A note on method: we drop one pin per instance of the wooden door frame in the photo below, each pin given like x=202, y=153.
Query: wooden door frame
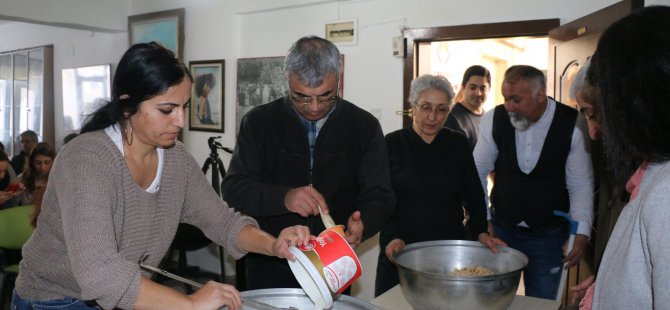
x=413, y=37
x=595, y=22
x=592, y=24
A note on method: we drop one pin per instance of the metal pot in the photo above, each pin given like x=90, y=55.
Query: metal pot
x=425, y=282
x=295, y=297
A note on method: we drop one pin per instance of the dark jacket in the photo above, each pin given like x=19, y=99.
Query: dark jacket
x=272, y=156
x=532, y=197
x=432, y=181
x=463, y=120
x=19, y=161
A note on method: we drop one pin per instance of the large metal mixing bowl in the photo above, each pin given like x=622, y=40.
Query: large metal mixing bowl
x=296, y=298
x=425, y=282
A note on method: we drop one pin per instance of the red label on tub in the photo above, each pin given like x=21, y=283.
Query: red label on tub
x=341, y=267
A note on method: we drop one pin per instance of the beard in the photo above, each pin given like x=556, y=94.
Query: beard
x=519, y=122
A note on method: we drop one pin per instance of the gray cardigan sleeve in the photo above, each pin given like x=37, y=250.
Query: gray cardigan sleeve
x=206, y=210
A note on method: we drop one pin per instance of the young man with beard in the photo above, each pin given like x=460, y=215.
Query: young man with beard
x=466, y=114
x=541, y=165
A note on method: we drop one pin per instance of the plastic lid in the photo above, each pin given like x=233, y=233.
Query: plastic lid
x=310, y=280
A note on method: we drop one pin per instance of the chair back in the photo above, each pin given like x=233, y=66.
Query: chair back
x=15, y=228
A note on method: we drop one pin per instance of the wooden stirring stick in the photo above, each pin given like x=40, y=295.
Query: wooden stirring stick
x=326, y=218
x=328, y=221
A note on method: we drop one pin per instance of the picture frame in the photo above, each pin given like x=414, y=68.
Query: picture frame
x=261, y=80
x=207, y=112
x=164, y=27
x=342, y=32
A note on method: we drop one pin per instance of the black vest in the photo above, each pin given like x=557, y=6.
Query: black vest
x=532, y=197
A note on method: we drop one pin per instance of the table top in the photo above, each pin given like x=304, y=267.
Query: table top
x=394, y=300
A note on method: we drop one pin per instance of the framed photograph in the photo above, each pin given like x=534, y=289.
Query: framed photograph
x=207, y=104
x=259, y=81
x=165, y=27
x=85, y=89
x=262, y=80
x=343, y=32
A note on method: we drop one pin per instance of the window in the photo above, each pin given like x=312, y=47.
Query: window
x=26, y=96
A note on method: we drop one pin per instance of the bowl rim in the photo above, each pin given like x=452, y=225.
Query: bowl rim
x=466, y=243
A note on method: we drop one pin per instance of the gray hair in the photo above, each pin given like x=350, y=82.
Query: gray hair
x=428, y=81
x=527, y=73
x=579, y=82
x=310, y=59
x=29, y=134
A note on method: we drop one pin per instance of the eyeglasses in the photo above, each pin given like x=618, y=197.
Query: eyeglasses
x=440, y=109
x=305, y=100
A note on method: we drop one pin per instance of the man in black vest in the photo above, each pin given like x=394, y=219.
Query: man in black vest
x=541, y=164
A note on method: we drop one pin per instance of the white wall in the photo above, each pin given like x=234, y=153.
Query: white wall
x=102, y=14
x=226, y=29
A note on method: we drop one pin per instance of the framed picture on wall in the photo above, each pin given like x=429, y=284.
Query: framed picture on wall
x=259, y=81
x=164, y=27
x=262, y=80
x=207, y=103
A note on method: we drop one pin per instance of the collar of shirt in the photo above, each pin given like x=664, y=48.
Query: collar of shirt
x=529, y=142
x=306, y=123
x=114, y=133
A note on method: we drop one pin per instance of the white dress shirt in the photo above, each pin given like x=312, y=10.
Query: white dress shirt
x=578, y=167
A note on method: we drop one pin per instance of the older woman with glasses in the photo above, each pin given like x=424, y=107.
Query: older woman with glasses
x=433, y=177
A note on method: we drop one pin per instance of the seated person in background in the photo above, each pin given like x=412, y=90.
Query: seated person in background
x=10, y=175
x=12, y=189
x=36, y=175
x=117, y=195
x=70, y=137
x=432, y=174
x=28, y=142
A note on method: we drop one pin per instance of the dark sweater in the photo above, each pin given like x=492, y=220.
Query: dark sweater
x=464, y=121
x=272, y=155
x=431, y=183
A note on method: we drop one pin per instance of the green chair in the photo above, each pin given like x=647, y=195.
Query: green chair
x=15, y=229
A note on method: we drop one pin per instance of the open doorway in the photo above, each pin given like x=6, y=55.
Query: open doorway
x=418, y=40
x=451, y=58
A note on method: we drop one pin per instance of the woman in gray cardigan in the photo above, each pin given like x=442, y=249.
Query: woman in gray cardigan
x=117, y=193
x=634, y=111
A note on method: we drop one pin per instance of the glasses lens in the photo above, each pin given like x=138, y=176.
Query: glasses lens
x=440, y=109
x=323, y=100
